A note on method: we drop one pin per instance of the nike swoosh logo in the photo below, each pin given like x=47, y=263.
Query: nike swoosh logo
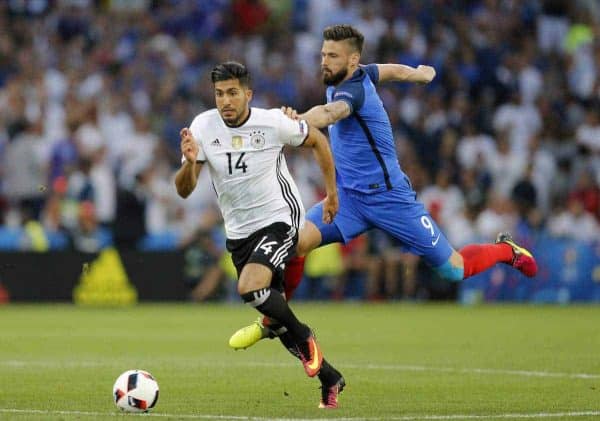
x=315, y=361
x=434, y=242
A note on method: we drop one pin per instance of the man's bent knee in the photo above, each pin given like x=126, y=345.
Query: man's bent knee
x=452, y=270
x=449, y=272
x=309, y=238
x=254, y=276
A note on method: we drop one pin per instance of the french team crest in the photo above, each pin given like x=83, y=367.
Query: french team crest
x=236, y=142
x=257, y=139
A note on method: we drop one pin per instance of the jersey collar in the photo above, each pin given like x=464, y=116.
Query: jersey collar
x=358, y=74
x=233, y=126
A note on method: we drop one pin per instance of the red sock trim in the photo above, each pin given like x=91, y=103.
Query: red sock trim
x=479, y=257
x=294, y=270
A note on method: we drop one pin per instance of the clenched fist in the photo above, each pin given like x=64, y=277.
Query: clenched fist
x=290, y=112
x=189, y=147
x=427, y=73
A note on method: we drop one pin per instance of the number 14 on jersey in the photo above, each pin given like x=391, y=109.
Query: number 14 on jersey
x=240, y=165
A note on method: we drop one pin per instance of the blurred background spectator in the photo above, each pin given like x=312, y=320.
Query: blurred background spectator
x=93, y=95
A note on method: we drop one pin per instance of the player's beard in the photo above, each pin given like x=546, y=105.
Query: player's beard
x=332, y=79
x=236, y=120
x=232, y=121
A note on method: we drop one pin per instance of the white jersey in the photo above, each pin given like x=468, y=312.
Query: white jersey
x=248, y=170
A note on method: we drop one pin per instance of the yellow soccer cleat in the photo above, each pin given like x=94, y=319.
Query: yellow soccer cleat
x=249, y=335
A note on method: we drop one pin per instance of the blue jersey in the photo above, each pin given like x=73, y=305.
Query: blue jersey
x=374, y=192
x=363, y=143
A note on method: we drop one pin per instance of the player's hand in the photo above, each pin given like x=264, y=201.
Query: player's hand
x=290, y=112
x=427, y=73
x=189, y=147
x=330, y=208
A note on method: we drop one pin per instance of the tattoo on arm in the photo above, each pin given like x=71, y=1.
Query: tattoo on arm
x=337, y=111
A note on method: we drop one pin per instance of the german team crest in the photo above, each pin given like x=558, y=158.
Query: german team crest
x=257, y=139
x=236, y=142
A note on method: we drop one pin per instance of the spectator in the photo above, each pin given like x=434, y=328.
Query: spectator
x=524, y=194
x=443, y=199
x=202, y=270
x=520, y=119
x=574, y=222
x=507, y=166
x=475, y=148
x=553, y=24
x=587, y=193
x=24, y=166
x=89, y=236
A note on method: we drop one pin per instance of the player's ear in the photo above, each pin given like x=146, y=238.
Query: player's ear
x=355, y=59
x=249, y=94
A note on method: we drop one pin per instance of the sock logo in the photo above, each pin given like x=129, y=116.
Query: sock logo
x=260, y=297
x=294, y=351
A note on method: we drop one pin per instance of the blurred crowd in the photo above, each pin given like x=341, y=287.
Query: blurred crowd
x=93, y=95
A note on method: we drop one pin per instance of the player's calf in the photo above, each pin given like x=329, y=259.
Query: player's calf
x=272, y=304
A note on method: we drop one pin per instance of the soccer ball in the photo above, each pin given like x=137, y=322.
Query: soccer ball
x=135, y=391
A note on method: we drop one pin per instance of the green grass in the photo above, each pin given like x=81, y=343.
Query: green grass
x=400, y=361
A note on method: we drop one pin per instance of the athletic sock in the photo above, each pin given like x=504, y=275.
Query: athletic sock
x=294, y=270
x=271, y=303
x=328, y=375
x=479, y=257
x=287, y=340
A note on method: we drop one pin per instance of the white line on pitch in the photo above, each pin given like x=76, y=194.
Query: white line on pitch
x=573, y=414
x=222, y=364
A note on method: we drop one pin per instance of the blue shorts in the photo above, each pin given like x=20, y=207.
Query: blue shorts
x=397, y=212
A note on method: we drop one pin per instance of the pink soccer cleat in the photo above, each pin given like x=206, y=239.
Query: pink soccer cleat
x=329, y=395
x=523, y=260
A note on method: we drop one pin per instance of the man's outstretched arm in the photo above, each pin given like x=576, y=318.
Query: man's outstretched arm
x=323, y=115
x=403, y=73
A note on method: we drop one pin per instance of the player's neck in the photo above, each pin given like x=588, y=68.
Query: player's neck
x=351, y=70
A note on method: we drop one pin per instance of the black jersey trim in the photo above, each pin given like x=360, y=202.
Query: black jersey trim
x=288, y=196
x=371, y=139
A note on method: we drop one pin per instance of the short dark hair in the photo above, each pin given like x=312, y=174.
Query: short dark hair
x=345, y=32
x=230, y=70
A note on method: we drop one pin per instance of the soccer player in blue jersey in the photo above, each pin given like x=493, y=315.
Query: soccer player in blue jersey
x=373, y=191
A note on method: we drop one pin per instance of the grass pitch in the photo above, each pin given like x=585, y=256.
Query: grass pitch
x=403, y=362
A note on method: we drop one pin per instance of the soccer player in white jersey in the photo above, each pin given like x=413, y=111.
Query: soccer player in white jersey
x=243, y=150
